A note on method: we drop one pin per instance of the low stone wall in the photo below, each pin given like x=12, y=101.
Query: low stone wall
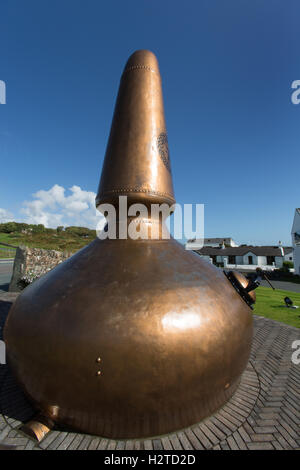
x=32, y=263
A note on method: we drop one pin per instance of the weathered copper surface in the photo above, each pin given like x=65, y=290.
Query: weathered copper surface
x=131, y=338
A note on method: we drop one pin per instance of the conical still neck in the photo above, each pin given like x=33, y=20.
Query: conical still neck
x=137, y=163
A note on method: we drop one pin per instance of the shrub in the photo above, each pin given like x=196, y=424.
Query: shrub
x=10, y=227
x=286, y=265
x=80, y=231
x=37, y=228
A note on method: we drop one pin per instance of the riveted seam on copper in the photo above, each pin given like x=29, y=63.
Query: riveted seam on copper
x=136, y=190
x=139, y=67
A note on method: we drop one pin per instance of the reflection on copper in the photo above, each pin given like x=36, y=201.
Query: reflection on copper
x=181, y=321
x=38, y=428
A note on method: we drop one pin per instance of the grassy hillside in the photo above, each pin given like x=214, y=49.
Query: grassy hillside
x=37, y=236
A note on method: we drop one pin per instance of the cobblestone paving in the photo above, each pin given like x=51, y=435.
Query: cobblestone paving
x=264, y=413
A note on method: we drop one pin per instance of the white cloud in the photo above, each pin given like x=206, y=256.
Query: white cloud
x=5, y=216
x=54, y=207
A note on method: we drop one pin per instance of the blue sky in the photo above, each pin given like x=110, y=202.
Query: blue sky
x=227, y=69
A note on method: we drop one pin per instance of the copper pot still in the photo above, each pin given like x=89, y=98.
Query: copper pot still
x=131, y=338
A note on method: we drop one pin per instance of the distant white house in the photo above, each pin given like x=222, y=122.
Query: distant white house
x=296, y=240
x=197, y=244
x=247, y=256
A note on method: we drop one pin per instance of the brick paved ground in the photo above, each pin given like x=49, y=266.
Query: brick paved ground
x=264, y=413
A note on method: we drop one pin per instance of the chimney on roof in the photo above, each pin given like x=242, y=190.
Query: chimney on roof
x=281, y=248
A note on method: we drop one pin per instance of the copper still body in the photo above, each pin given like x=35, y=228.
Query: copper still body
x=131, y=338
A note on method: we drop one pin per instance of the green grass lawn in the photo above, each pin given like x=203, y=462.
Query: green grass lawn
x=5, y=252
x=269, y=304
x=5, y=237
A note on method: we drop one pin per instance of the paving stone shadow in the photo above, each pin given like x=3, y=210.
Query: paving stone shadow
x=13, y=402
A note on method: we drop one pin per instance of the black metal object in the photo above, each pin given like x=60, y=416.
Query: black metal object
x=256, y=278
x=288, y=302
x=235, y=279
x=245, y=285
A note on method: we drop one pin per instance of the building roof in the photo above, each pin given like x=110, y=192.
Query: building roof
x=243, y=250
x=217, y=240
x=211, y=240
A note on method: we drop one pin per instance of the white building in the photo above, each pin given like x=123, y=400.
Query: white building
x=296, y=240
x=248, y=257
x=197, y=244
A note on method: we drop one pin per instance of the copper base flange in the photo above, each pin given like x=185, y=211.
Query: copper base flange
x=37, y=428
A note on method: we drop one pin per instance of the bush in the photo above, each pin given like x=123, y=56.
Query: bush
x=282, y=275
x=37, y=228
x=80, y=231
x=16, y=227
x=287, y=265
x=10, y=227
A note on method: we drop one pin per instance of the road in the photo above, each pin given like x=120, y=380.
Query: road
x=291, y=286
x=6, y=268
